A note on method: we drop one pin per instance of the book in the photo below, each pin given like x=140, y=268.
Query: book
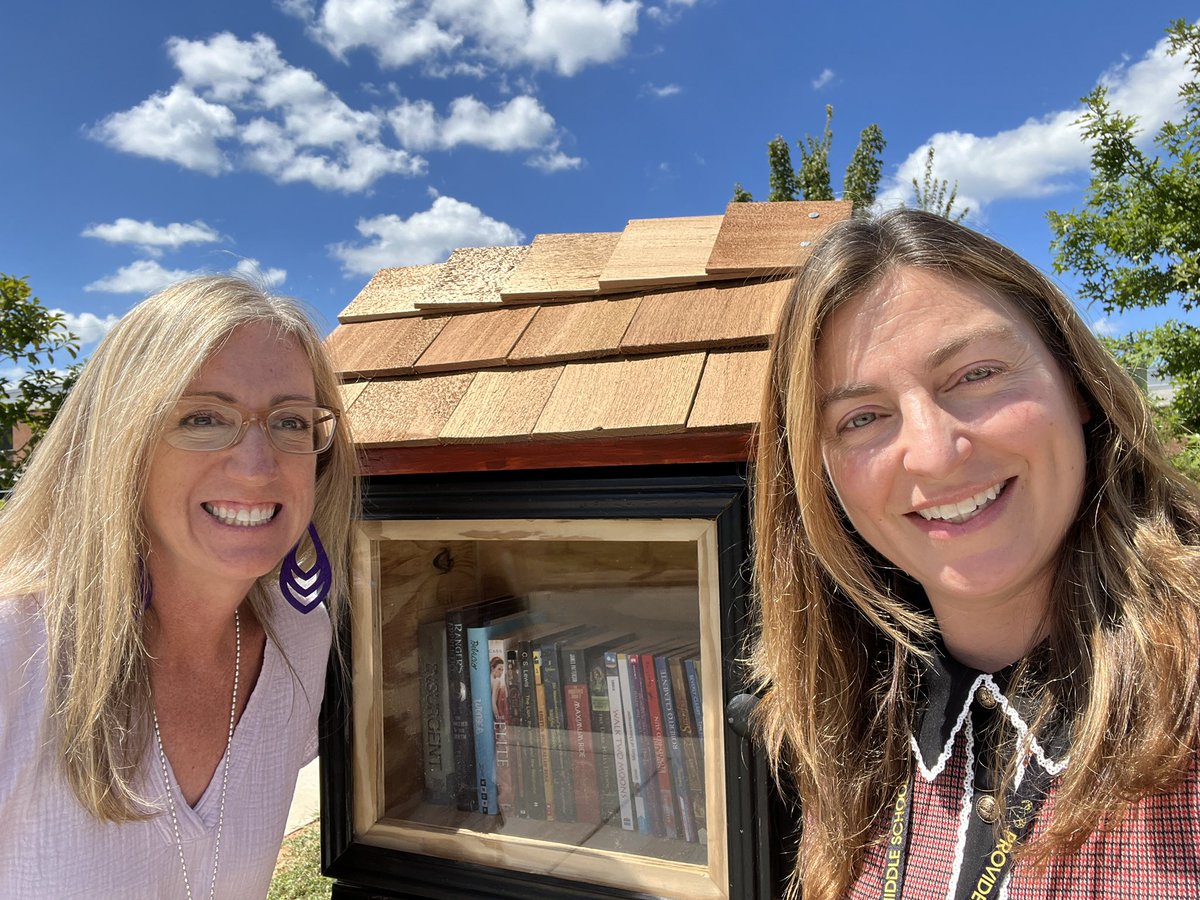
x=691, y=669
x=642, y=754
x=666, y=808
x=462, y=730
x=680, y=795
x=543, y=736
x=580, y=689
x=437, y=755
x=693, y=748
x=489, y=699
x=616, y=707
x=562, y=790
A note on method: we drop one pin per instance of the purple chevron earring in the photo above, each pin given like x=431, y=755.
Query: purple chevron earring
x=305, y=589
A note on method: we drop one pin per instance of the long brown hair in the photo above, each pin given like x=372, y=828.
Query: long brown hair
x=72, y=530
x=838, y=639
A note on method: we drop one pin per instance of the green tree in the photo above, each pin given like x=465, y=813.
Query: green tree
x=30, y=335
x=813, y=174
x=861, y=183
x=937, y=195
x=812, y=180
x=780, y=176
x=740, y=194
x=1136, y=241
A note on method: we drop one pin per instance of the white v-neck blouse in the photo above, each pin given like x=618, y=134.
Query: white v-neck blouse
x=51, y=847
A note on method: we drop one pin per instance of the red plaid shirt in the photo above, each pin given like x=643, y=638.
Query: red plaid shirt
x=1154, y=852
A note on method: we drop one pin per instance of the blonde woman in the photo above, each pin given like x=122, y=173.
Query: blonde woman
x=978, y=585
x=159, y=676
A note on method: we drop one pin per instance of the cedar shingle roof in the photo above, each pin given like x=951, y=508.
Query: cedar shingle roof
x=542, y=355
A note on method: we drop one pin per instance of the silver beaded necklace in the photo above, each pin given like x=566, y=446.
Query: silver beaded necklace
x=162, y=758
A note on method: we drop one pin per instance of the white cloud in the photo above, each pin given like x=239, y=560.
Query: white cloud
x=823, y=79
x=142, y=276
x=176, y=126
x=424, y=237
x=564, y=35
x=266, y=278
x=519, y=124
x=670, y=11
x=1104, y=327
x=666, y=90
x=239, y=104
x=1046, y=155
x=153, y=238
x=554, y=161
x=88, y=327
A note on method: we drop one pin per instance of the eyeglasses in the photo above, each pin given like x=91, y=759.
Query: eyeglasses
x=199, y=424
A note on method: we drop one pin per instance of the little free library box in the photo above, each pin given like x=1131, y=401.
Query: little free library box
x=551, y=576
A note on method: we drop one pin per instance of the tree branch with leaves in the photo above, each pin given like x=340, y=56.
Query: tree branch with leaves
x=30, y=336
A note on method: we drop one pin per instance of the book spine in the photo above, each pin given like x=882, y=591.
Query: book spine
x=693, y=750
x=691, y=668
x=647, y=774
x=531, y=795
x=436, y=728
x=583, y=755
x=503, y=662
x=483, y=719
x=606, y=768
x=681, y=795
x=662, y=769
x=462, y=730
x=616, y=707
x=560, y=754
x=543, y=735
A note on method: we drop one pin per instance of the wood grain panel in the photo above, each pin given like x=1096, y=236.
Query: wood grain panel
x=391, y=293
x=350, y=392
x=383, y=347
x=559, y=266
x=574, y=330
x=770, y=238
x=643, y=395
x=500, y=404
x=406, y=411
x=476, y=339
x=730, y=391
x=661, y=251
x=706, y=317
x=579, y=451
x=471, y=277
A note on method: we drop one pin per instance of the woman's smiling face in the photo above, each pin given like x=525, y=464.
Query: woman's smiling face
x=230, y=515
x=953, y=439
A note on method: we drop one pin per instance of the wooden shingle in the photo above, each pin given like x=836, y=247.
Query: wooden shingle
x=473, y=340
x=644, y=395
x=391, y=293
x=560, y=266
x=383, y=347
x=575, y=330
x=706, y=317
x=502, y=404
x=769, y=238
x=471, y=277
x=406, y=411
x=730, y=392
x=661, y=252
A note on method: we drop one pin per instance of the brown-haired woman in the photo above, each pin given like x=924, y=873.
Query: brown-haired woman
x=978, y=584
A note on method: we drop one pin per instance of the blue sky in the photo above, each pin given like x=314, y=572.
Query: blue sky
x=314, y=141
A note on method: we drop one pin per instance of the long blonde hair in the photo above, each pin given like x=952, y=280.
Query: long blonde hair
x=839, y=632
x=72, y=530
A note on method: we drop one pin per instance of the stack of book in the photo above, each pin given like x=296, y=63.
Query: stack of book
x=526, y=718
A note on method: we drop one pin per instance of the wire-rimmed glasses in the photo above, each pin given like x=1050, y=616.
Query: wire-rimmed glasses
x=197, y=423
